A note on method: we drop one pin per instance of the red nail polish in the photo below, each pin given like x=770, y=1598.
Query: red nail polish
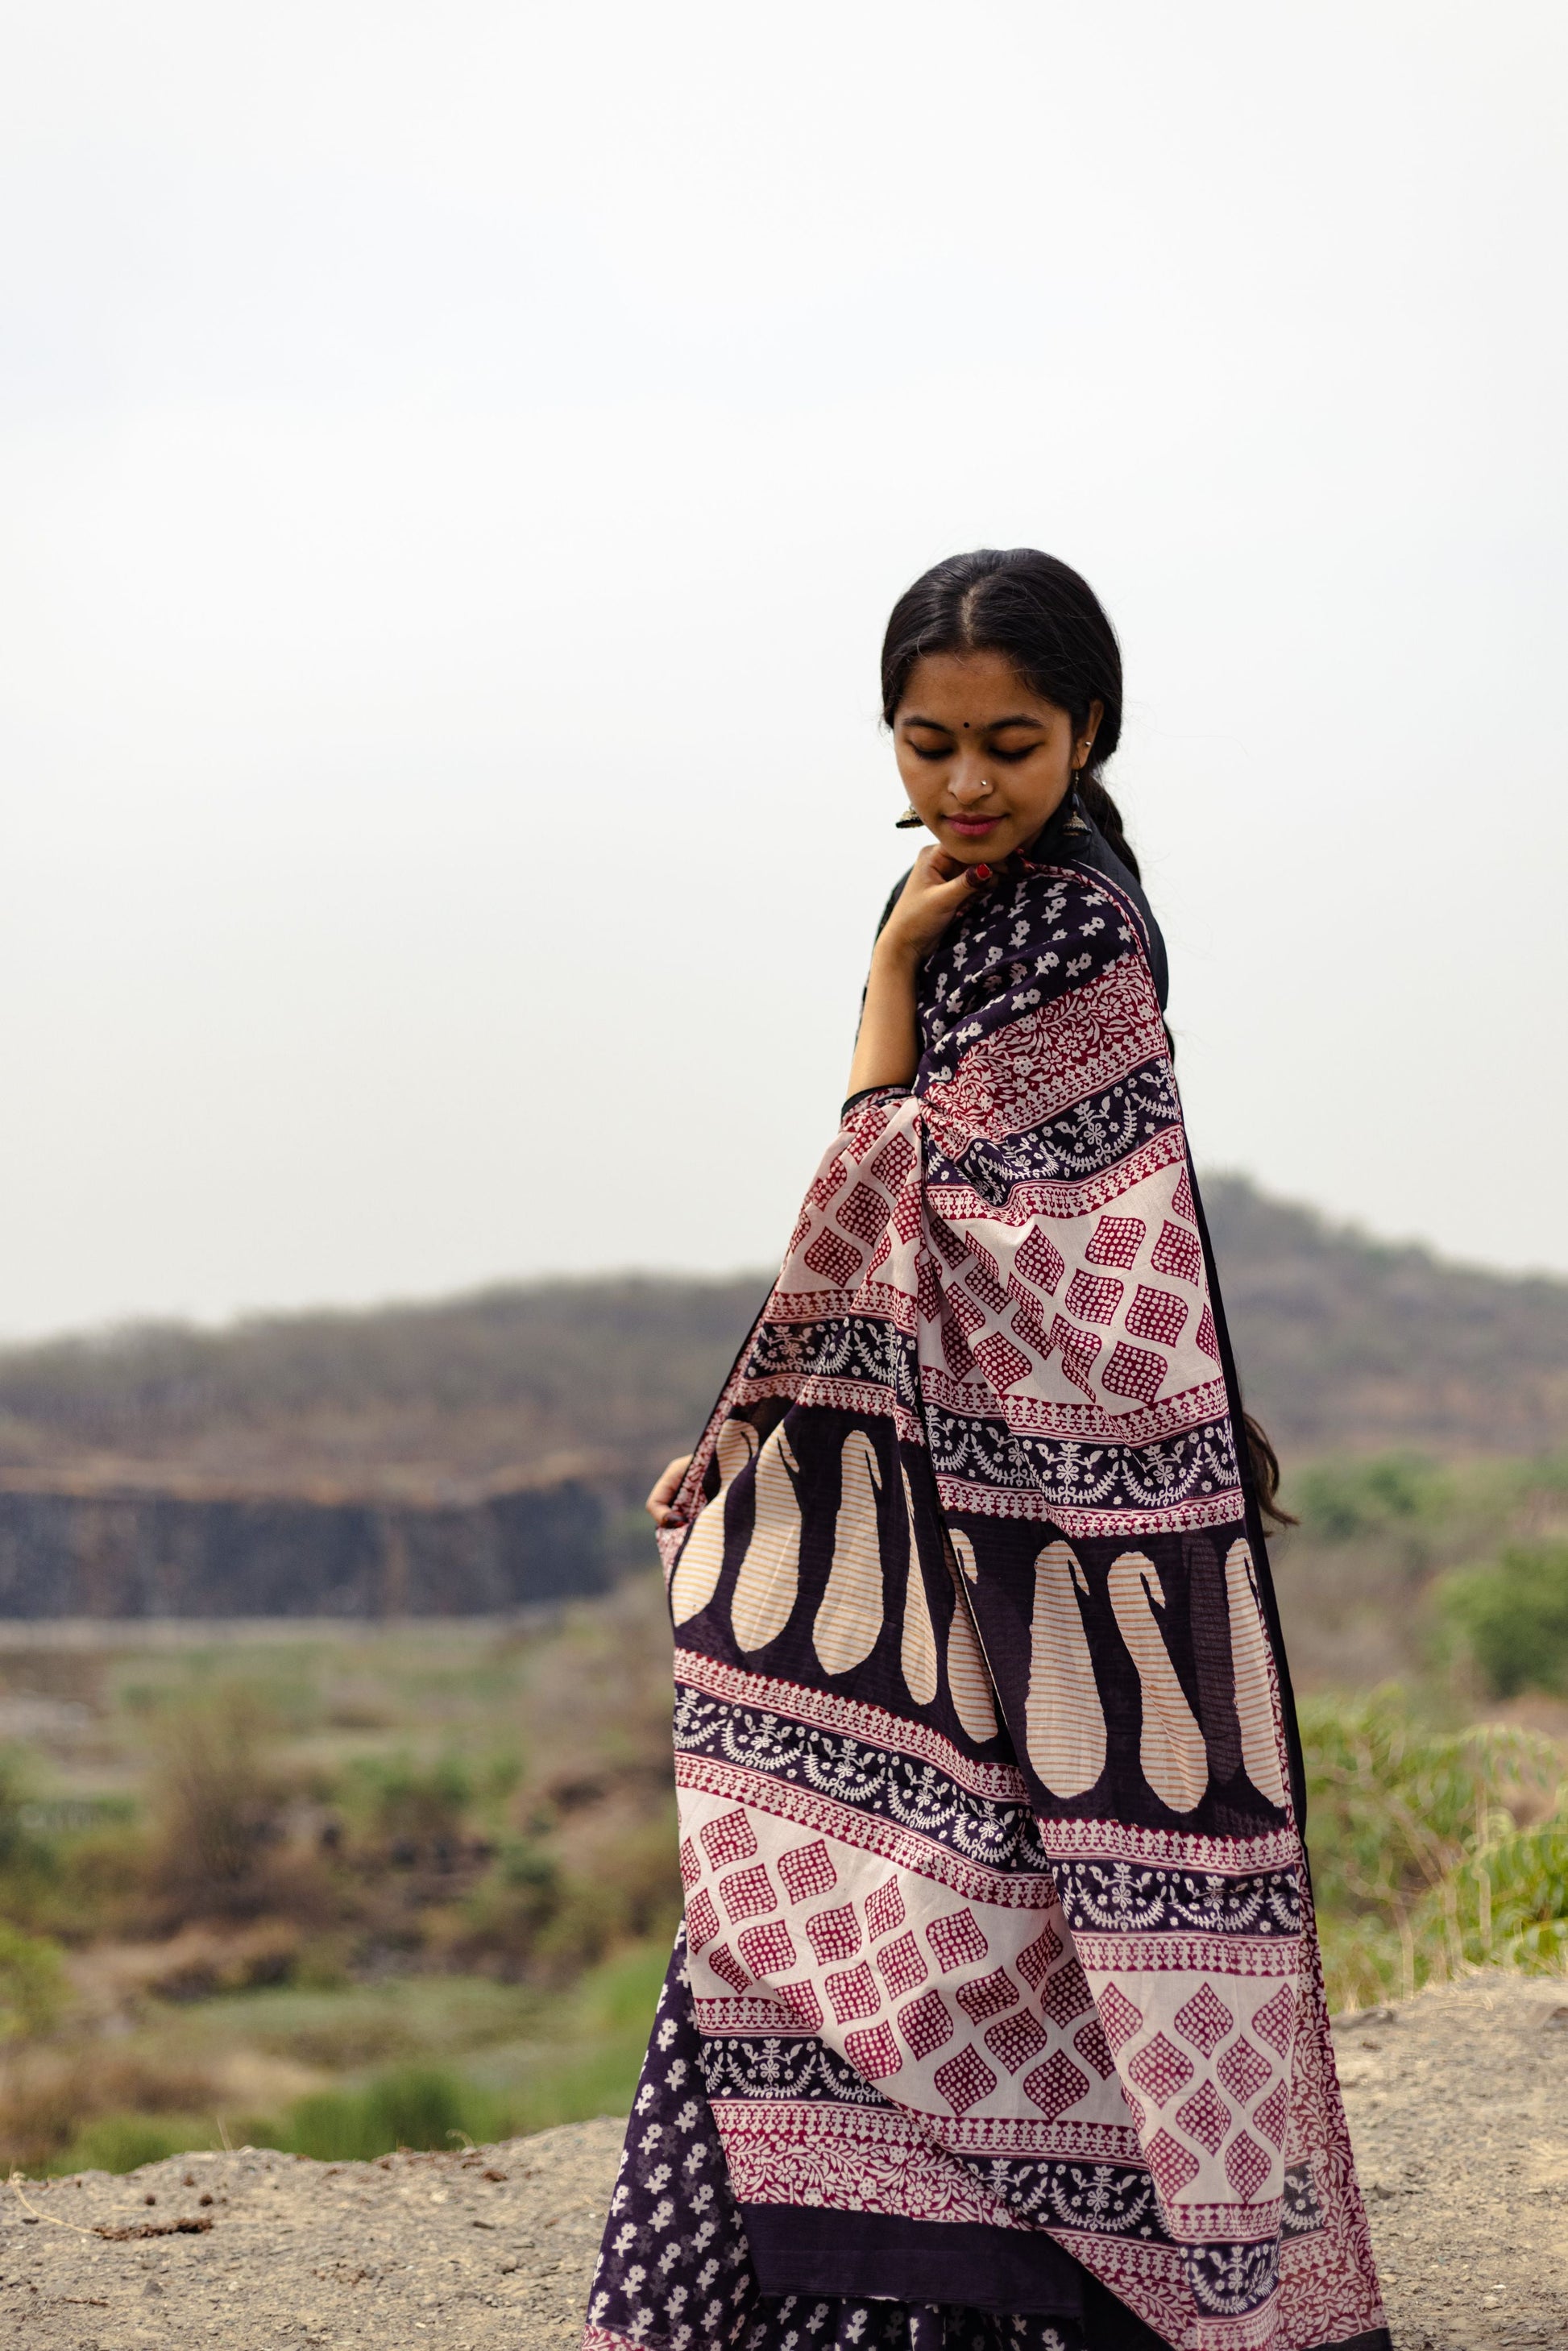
x=981, y=872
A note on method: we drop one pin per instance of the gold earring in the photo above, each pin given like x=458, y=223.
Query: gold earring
x=910, y=818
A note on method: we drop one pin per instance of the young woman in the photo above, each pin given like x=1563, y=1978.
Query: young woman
x=996, y=2017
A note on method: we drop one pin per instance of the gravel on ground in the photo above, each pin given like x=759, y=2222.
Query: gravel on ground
x=1459, y=2102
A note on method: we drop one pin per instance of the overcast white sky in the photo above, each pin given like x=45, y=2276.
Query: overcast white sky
x=455, y=462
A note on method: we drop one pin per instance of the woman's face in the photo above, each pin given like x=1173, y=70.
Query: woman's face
x=984, y=759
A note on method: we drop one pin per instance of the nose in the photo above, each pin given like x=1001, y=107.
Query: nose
x=970, y=782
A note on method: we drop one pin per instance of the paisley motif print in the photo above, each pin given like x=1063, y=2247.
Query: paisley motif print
x=996, y=1910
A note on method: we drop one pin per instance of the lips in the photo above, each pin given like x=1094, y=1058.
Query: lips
x=973, y=827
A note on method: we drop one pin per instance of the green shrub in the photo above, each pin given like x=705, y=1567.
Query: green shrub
x=1513, y=1617
x=32, y=1984
x=1339, y=1501
x=1428, y=1848
x=416, y=2105
x=125, y=2142
x=416, y=1812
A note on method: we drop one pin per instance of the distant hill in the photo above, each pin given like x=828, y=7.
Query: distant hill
x=1349, y=1343
x=1344, y=1343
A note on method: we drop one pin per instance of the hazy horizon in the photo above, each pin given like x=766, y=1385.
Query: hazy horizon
x=760, y=1272
x=457, y=465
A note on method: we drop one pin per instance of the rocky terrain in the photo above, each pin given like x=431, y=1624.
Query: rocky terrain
x=1459, y=2100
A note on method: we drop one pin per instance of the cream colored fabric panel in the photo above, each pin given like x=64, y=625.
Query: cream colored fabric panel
x=1254, y=1690
x=700, y=1564
x=770, y=1575
x=969, y=1676
x=850, y=1615
x=1174, y=1757
x=917, y=1652
x=1064, y=1724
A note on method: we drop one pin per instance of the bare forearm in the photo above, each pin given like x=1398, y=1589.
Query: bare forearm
x=887, y=1050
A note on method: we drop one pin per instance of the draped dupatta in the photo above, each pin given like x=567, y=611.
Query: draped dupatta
x=999, y=1968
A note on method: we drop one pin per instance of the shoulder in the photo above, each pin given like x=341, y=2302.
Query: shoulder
x=1099, y=861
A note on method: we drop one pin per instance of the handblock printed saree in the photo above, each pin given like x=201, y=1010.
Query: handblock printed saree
x=999, y=1990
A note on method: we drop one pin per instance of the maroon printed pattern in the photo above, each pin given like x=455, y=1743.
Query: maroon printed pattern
x=993, y=1880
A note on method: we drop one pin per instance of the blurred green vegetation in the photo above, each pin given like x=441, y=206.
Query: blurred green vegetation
x=289, y=1886
x=336, y=1891
x=1513, y=1617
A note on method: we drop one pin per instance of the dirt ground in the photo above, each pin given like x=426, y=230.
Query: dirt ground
x=1458, y=2101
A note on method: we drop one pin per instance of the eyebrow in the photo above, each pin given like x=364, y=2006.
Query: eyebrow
x=991, y=727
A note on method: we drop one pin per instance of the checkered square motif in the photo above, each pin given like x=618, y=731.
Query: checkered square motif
x=1095, y=1296
x=950, y=1247
x=901, y=1967
x=1176, y=1253
x=874, y=2052
x=1036, y=1960
x=1000, y=1362
x=767, y=1950
x=834, y=1260
x=1119, y=2017
x=1207, y=1337
x=1066, y=1994
x=988, y=1996
x=1160, y=2070
x=990, y=1274
x=1055, y=2085
x=970, y=1317
x=727, y=1839
x=955, y=1346
x=807, y=1869
x=747, y=1893
x=855, y=1993
x=728, y=1968
x=691, y=1863
x=830, y=1179
x=1204, y=2019
x=1206, y=2116
x=966, y=2080
x=1275, y=2020
x=1181, y=1200
x=1156, y=1314
x=1243, y=2070
x=834, y=1933
x=884, y=1909
x=801, y=2000
x=1039, y=1262
x=1079, y=1349
x=883, y=1251
x=1094, y=2049
x=892, y=1164
x=1273, y=2113
x=927, y=1287
x=1017, y=2039
x=864, y=1213
x=907, y=1213
x=988, y=1291
x=1245, y=2166
x=702, y=1920
x=1116, y=1240
x=926, y=2023
x=1172, y=2164
x=1133, y=1372
x=957, y=1940
x=1030, y=1329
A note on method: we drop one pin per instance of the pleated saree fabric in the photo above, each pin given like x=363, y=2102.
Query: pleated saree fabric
x=996, y=2017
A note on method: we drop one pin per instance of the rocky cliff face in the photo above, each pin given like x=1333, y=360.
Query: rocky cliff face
x=130, y=1552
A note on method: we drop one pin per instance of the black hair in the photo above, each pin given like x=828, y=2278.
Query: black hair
x=1049, y=623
